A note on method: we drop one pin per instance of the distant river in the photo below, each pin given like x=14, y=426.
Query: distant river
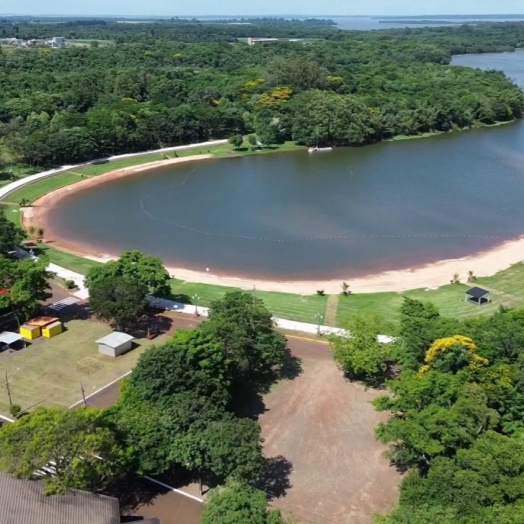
x=296, y=216
x=362, y=23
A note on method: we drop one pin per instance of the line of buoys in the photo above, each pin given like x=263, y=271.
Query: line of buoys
x=298, y=239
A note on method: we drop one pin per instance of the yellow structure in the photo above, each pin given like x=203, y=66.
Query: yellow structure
x=30, y=332
x=52, y=330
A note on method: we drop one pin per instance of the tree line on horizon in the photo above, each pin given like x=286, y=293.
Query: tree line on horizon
x=172, y=83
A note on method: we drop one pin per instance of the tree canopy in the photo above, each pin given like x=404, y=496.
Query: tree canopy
x=358, y=352
x=457, y=415
x=175, y=413
x=136, y=266
x=237, y=502
x=243, y=326
x=10, y=235
x=26, y=285
x=173, y=82
x=65, y=446
x=118, y=300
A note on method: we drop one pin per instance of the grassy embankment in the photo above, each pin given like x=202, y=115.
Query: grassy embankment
x=507, y=286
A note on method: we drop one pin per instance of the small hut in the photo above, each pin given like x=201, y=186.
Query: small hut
x=7, y=338
x=115, y=344
x=477, y=296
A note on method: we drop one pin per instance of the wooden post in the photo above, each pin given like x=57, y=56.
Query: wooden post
x=83, y=394
x=8, y=389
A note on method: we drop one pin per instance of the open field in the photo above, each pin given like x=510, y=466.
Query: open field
x=322, y=428
x=87, y=43
x=46, y=372
x=284, y=305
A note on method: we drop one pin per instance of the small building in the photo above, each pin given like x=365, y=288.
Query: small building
x=115, y=344
x=7, y=338
x=254, y=41
x=57, y=41
x=30, y=332
x=53, y=329
x=478, y=296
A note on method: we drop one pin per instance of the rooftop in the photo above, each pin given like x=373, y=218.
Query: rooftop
x=115, y=339
x=8, y=337
x=477, y=292
x=24, y=502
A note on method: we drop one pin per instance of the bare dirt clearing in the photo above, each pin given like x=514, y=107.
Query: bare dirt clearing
x=325, y=426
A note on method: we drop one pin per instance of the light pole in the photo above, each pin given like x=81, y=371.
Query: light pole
x=196, y=298
x=319, y=317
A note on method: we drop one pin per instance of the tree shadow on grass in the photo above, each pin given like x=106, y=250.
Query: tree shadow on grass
x=276, y=477
x=78, y=311
x=180, y=297
x=151, y=325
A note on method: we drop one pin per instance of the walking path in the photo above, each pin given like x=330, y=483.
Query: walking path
x=189, y=309
x=13, y=186
x=331, y=310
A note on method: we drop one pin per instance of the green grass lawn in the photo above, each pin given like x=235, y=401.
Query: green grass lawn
x=284, y=305
x=46, y=372
x=69, y=261
x=12, y=213
x=386, y=305
x=509, y=281
x=19, y=171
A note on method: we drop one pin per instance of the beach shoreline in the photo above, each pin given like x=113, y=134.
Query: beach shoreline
x=429, y=276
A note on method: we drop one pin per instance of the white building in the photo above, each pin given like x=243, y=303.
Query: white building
x=57, y=41
x=115, y=344
x=254, y=41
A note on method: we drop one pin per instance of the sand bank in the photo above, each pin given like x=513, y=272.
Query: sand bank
x=429, y=276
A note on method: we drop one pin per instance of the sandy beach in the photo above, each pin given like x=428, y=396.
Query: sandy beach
x=429, y=276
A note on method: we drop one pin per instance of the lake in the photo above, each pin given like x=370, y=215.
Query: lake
x=297, y=216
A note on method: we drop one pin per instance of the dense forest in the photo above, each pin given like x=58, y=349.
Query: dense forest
x=125, y=87
x=458, y=418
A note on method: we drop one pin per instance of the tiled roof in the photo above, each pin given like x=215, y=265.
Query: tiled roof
x=24, y=502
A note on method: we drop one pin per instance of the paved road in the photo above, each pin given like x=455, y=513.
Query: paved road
x=169, y=506
x=300, y=347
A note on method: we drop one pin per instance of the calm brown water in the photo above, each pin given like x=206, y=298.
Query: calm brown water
x=290, y=216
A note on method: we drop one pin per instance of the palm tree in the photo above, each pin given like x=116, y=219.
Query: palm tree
x=31, y=230
x=471, y=276
x=40, y=233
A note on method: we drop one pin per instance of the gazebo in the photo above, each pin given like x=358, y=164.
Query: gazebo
x=477, y=296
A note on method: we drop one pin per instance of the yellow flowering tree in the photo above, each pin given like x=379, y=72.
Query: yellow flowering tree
x=449, y=354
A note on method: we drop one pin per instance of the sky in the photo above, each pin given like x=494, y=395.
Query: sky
x=184, y=8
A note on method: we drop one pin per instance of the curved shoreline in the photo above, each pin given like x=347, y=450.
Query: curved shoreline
x=431, y=276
